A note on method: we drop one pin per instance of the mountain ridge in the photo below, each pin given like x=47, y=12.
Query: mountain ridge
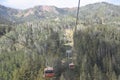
x=102, y=9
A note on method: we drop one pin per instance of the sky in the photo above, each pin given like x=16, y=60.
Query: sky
x=24, y=4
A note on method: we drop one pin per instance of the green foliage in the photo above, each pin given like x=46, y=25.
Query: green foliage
x=100, y=44
x=27, y=49
x=31, y=46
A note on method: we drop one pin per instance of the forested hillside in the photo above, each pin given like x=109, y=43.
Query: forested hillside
x=98, y=47
x=45, y=37
x=28, y=47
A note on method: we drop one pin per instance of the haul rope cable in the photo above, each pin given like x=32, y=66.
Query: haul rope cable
x=77, y=17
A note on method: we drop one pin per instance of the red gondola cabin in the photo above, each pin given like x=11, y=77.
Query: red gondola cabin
x=49, y=72
x=71, y=66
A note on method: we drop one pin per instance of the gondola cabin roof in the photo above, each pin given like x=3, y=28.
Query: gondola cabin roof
x=48, y=68
x=71, y=64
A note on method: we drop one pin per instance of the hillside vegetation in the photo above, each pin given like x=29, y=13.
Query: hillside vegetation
x=32, y=39
x=98, y=50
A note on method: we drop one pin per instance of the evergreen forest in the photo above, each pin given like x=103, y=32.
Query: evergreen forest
x=30, y=43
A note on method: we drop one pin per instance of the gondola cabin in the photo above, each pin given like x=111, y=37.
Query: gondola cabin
x=71, y=65
x=49, y=72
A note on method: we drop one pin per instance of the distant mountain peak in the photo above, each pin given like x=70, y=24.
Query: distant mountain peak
x=48, y=8
x=105, y=3
x=45, y=11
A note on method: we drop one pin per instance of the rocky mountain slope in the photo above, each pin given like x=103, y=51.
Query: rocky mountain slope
x=90, y=13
